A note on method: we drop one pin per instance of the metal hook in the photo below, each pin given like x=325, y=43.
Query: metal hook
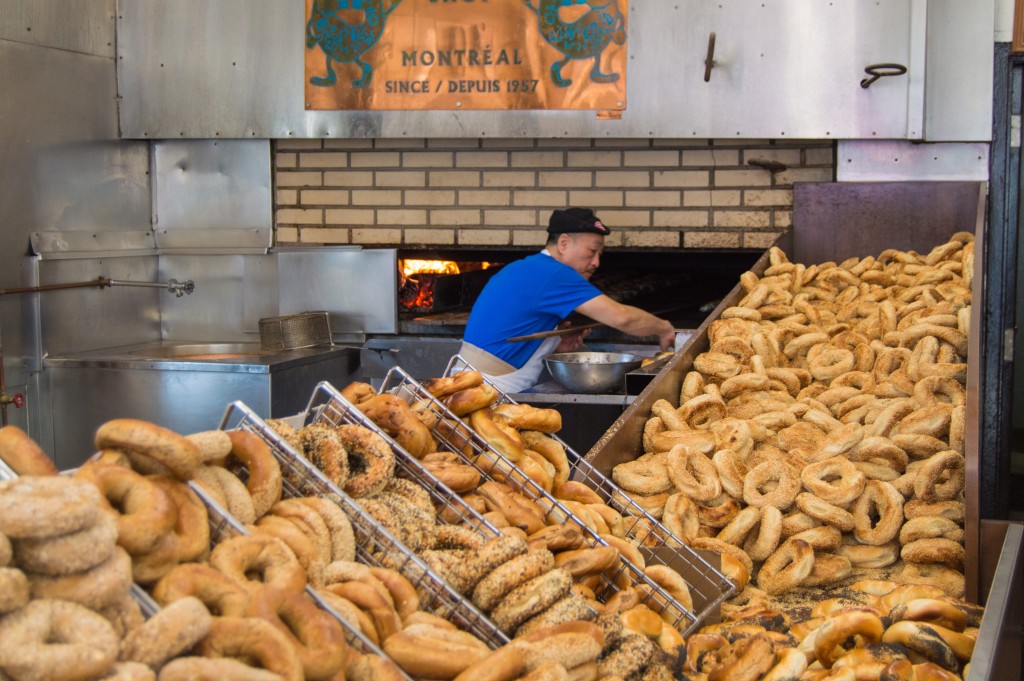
x=709, y=62
x=877, y=71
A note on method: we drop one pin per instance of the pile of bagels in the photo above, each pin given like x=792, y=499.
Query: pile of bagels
x=556, y=623
x=515, y=492
x=237, y=609
x=312, y=537
x=820, y=441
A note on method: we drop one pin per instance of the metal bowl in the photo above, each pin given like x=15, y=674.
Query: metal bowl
x=591, y=372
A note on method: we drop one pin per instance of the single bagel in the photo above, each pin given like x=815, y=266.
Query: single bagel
x=693, y=473
x=531, y=598
x=428, y=651
x=264, y=472
x=52, y=639
x=448, y=385
x=552, y=451
x=371, y=461
x=940, y=477
x=834, y=480
x=95, y=588
x=221, y=595
x=396, y=418
x=256, y=560
x=253, y=640
x=646, y=475
x=168, y=633
x=839, y=628
x=787, y=484
x=944, y=551
x=145, y=511
x=47, y=506
x=19, y=451
x=468, y=400
x=147, y=442
x=316, y=637
x=787, y=567
x=924, y=640
x=525, y=417
x=950, y=581
x=191, y=529
x=69, y=553
x=490, y=590
x=881, y=500
x=213, y=669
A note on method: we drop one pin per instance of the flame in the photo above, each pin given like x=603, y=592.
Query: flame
x=410, y=267
x=417, y=293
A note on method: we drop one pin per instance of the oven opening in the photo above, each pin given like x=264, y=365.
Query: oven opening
x=426, y=286
x=437, y=287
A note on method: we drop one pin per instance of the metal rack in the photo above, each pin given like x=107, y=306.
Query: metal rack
x=328, y=404
x=457, y=437
x=224, y=526
x=6, y=472
x=374, y=543
x=657, y=544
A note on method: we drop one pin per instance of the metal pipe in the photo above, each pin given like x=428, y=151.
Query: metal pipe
x=178, y=288
x=99, y=281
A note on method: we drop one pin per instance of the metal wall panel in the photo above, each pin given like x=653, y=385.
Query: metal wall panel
x=77, y=25
x=896, y=160
x=958, y=98
x=784, y=68
x=62, y=168
x=75, y=320
x=232, y=293
x=212, y=194
x=358, y=287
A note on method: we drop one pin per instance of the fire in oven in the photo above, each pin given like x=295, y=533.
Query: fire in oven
x=428, y=286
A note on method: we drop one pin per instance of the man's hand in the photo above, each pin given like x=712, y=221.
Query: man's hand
x=667, y=337
x=571, y=342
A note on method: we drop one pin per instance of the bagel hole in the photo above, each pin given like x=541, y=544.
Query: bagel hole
x=873, y=515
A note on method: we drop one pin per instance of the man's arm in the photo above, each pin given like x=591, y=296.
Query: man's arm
x=629, y=319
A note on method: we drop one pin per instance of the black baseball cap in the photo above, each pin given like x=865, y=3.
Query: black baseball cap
x=576, y=220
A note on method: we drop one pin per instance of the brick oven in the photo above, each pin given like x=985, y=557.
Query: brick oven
x=438, y=286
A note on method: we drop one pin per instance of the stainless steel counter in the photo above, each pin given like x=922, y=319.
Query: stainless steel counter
x=198, y=356
x=183, y=386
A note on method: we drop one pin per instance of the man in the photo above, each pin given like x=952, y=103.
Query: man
x=537, y=293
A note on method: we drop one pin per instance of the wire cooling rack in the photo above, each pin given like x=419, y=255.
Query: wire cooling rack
x=225, y=526
x=453, y=434
x=6, y=472
x=328, y=404
x=375, y=545
x=708, y=586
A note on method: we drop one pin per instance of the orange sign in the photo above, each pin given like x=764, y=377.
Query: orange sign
x=465, y=54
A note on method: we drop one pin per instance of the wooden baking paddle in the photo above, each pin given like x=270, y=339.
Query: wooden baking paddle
x=554, y=332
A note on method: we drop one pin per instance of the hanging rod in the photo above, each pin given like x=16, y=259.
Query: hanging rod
x=178, y=288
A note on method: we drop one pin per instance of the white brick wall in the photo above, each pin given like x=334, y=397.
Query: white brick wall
x=656, y=194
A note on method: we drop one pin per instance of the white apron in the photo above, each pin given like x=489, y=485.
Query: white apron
x=526, y=376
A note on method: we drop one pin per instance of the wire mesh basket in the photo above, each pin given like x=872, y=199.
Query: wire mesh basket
x=375, y=545
x=300, y=330
x=225, y=526
x=708, y=586
x=453, y=434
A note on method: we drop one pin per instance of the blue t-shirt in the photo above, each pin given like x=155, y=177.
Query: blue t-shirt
x=527, y=296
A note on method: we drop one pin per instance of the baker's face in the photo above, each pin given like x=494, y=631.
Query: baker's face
x=582, y=252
